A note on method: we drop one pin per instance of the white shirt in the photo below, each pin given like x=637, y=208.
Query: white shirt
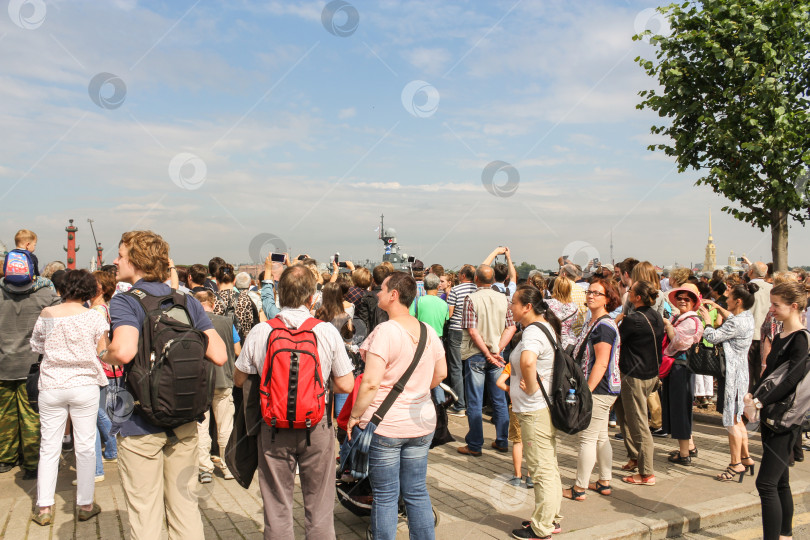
x=536, y=341
x=331, y=351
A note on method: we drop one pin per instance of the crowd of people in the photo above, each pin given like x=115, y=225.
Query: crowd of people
x=383, y=342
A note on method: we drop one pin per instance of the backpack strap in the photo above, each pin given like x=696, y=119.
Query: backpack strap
x=392, y=396
x=557, y=351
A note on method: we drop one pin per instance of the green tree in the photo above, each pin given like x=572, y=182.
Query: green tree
x=734, y=77
x=523, y=269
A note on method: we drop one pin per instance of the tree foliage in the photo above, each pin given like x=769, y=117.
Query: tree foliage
x=734, y=77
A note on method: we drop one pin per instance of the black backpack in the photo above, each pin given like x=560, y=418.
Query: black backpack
x=783, y=416
x=567, y=375
x=170, y=380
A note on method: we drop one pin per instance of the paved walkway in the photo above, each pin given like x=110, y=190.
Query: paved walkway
x=470, y=494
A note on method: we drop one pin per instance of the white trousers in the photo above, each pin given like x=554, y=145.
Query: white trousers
x=704, y=386
x=81, y=403
x=222, y=405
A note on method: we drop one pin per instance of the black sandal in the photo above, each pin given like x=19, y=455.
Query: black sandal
x=601, y=488
x=680, y=460
x=730, y=474
x=748, y=467
x=693, y=452
x=576, y=495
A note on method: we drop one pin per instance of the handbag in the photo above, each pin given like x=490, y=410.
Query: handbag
x=668, y=361
x=703, y=360
x=442, y=433
x=32, y=384
x=355, y=462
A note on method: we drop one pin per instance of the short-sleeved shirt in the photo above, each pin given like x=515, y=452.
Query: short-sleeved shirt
x=601, y=331
x=125, y=310
x=331, y=351
x=432, y=310
x=456, y=299
x=534, y=340
x=68, y=348
x=413, y=413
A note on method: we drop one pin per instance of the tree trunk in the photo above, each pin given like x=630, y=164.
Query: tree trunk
x=779, y=240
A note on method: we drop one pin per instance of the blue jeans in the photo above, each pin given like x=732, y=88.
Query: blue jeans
x=455, y=369
x=399, y=466
x=104, y=425
x=479, y=373
x=340, y=401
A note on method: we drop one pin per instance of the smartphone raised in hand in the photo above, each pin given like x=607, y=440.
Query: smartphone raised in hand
x=278, y=257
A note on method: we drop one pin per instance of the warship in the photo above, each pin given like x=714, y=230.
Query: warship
x=393, y=253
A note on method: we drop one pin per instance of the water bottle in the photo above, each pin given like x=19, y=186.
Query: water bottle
x=571, y=398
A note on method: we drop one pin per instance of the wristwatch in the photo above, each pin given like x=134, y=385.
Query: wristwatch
x=757, y=403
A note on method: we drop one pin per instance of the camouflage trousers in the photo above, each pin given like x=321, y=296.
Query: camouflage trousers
x=19, y=425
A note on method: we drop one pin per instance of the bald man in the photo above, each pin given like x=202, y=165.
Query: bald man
x=487, y=326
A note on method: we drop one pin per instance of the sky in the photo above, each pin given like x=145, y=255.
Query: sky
x=235, y=128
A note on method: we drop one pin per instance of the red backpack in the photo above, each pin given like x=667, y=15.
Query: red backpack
x=292, y=389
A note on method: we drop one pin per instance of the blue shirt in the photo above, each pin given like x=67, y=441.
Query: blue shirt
x=125, y=310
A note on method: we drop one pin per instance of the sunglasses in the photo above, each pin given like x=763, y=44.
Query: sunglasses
x=684, y=298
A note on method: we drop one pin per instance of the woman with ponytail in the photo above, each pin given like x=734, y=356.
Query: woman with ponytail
x=642, y=336
x=533, y=359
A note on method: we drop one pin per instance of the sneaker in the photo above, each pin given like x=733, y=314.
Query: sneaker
x=527, y=532
x=67, y=443
x=619, y=436
x=660, y=433
x=30, y=474
x=5, y=467
x=514, y=481
x=529, y=483
x=205, y=477
x=612, y=423
x=99, y=478
x=557, y=526
x=452, y=411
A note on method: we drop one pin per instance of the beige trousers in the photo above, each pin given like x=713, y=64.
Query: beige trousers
x=656, y=414
x=222, y=405
x=540, y=452
x=631, y=412
x=159, y=478
x=594, y=443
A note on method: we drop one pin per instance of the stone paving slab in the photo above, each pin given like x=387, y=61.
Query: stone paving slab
x=470, y=495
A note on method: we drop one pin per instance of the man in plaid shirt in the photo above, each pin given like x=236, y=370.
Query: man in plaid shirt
x=488, y=327
x=455, y=302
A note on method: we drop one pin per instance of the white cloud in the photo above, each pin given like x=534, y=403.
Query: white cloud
x=344, y=114
x=430, y=61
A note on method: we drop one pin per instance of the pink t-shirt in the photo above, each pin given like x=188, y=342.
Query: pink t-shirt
x=413, y=413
